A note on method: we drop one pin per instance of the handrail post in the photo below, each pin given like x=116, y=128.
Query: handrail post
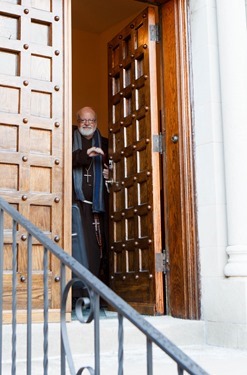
x=120, y=344
x=46, y=307
x=96, y=334
x=29, y=304
x=14, y=296
x=149, y=357
x=62, y=318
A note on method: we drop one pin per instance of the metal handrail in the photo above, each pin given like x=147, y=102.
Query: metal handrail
x=96, y=289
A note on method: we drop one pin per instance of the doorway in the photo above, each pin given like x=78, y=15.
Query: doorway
x=137, y=237
x=93, y=26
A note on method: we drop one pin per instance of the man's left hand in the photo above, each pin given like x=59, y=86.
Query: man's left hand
x=106, y=172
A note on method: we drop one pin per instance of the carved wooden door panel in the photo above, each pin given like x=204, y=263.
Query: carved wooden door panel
x=31, y=135
x=135, y=234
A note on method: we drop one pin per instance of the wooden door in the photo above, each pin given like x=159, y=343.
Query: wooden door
x=135, y=222
x=182, y=282
x=32, y=137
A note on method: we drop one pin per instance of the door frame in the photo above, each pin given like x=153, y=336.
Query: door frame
x=67, y=126
x=179, y=86
x=177, y=92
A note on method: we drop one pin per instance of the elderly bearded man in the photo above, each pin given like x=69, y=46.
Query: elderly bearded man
x=90, y=170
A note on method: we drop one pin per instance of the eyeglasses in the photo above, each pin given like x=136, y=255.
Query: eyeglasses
x=85, y=120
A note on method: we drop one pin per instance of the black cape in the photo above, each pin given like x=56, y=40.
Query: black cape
x=85, y=247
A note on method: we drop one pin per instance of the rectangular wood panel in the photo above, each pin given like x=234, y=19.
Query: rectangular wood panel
x=41, y=67
x=42, y=5
x=9, y=137
x=9, y=26
x=10, y=62
x=10, y=99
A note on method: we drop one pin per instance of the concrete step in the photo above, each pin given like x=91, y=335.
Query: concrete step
x=188, y=335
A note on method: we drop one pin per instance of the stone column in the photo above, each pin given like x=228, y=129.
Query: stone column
x=232, y=39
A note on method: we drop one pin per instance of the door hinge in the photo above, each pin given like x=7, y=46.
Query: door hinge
x=158, y=143
x=154, y=33
x=162, y=262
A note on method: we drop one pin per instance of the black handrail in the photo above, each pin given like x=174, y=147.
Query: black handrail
x=96, y=289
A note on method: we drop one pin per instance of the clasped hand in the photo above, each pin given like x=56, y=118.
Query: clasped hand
x=94, y=151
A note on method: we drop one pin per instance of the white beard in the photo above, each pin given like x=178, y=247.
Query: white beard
x=86, y=132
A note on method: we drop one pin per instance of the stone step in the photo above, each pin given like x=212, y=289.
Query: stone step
x=187, y=334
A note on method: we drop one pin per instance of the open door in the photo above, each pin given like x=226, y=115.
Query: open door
x=135, y=206
x=32, y=134
x=135, y=219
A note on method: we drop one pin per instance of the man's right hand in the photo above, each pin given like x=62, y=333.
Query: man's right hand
x=94, y=151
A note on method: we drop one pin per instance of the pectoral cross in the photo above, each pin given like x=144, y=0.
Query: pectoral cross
x=87, y=175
